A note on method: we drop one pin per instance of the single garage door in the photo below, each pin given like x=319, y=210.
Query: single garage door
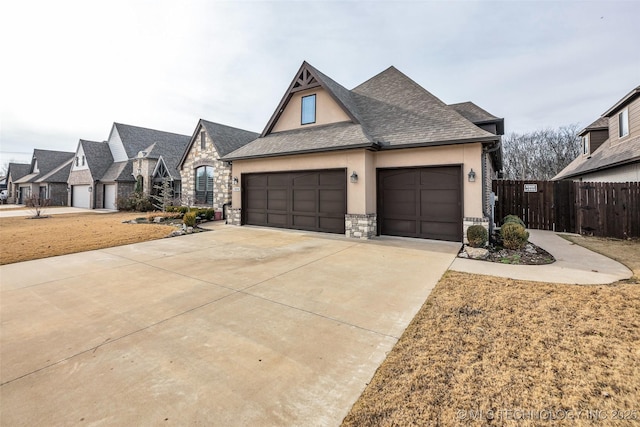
x=421, y=202
x=80, y=196
x=306, y=200
x=110, y=196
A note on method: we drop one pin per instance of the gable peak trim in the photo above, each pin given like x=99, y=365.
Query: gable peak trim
x=307, y=77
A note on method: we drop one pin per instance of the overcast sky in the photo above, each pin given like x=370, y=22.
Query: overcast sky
x=69, y=69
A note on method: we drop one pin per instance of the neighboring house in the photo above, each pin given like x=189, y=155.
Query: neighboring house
x=206, y=180
x=47, y=177
x=610, y=145
x=104, y=171
x=15, y=172
x=386, y=157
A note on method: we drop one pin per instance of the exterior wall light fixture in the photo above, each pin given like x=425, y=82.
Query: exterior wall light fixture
x=472, y=176
x=354, y=177
x=235, y=180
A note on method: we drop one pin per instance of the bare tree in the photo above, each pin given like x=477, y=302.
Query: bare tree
x=37, y=205
x=164, y=197
x=540, y=154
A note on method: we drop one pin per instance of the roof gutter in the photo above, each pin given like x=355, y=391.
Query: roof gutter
x=369, y=145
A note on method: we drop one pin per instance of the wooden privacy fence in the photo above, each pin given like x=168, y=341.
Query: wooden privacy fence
x=593, y=208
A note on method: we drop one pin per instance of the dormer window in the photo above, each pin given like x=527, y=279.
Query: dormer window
x=585, y=145
x=623, y=123
x=308, y=109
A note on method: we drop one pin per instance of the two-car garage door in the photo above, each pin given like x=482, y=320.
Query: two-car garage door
x=421, y=202
x=424, y=202
x=307, y=200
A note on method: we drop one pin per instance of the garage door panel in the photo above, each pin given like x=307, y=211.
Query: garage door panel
x=304, y=200
x=400, y=179
x=277, y=200
x=276, y=219
x=439, y=230
x=304, y=221
x=309, y=200
x=333, y=225
x=332, y=179
x=397, y=226
x=439, y=196
x=331, y=201
x=421, y=202
x=305, y=180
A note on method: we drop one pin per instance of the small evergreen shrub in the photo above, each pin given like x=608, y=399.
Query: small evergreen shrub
x=180, y=209
x=189, y=219
x=514, y=236
x=477, y=236
x=513, y=218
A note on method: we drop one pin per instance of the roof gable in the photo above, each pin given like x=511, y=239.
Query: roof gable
x=135, y=139
x=226, y=139
x=18, y=170
x=98, y=157
x=45, y=161
x=390, y=110
x=306, y=78
x=623, y=102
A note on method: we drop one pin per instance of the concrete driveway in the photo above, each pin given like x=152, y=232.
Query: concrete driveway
x=238, y=326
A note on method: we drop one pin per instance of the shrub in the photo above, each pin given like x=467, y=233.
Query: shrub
x=477, y=236
x=514, y=236
x=135, y=202
x=189, y=219
x=181, y=209
x=513, y=218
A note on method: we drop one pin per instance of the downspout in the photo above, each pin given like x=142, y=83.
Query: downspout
x=486, y=152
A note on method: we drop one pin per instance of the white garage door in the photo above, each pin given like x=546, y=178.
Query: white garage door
x=80, y=196
x=110, y=196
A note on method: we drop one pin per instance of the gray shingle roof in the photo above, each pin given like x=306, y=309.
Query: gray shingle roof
x=47, y=161
x=18, y=170
x=606, y=156
x=136, y=139
x=119, y=171
x=98, y=156
x=601, y=123
x=226, y=139
x=392, y=112
x=473, y=113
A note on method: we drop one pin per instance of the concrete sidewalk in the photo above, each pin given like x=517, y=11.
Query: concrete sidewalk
x=51, y=210
x=574, y=264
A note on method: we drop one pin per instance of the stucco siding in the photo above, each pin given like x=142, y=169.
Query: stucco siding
x=327, y=111
x=361, y=196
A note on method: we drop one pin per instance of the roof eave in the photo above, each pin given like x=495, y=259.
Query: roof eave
x=623, y=102
x=588, y=171
x=441, y=143
x=367, y=145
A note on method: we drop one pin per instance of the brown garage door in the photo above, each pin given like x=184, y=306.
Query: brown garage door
x=421, y=202
x=306, y=200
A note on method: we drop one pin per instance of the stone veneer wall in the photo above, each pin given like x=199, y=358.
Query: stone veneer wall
x=469, y=221
x=360, y=226
x=235, y=217
x=222, y=182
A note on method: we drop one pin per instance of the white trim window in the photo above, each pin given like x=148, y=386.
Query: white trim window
x=585, y=145
x=308, y=109
x=623, y=123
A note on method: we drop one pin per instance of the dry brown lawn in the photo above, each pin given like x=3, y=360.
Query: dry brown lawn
x=493, y=351
x=23, y=239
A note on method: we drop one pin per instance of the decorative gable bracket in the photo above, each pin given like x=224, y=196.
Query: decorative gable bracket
x=304, y=81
